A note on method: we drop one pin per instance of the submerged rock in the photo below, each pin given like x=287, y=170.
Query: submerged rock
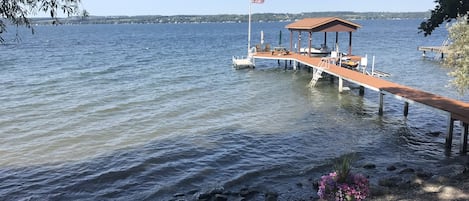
x=220, y=197
x=407, y=170
x=299, y=185
x=391, y=168
x=271, y=196
x=435, y=133
x=424, y=175
x=369, y=166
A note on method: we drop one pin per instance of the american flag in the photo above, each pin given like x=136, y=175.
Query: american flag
x=257, y=1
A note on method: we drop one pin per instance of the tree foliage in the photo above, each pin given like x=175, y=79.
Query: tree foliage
x=17, y=12
x=445, y=10
x=457, y=57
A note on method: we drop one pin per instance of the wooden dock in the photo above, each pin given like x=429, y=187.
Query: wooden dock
x=442, y=50
x=456, y=110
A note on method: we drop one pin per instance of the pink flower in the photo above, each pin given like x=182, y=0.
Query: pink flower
x=354, y=188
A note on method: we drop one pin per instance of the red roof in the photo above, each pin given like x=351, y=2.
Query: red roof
x=323, y=24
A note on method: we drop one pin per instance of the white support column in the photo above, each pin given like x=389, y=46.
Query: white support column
x=341, y=84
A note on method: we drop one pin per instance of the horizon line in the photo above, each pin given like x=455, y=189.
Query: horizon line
x=236, y=14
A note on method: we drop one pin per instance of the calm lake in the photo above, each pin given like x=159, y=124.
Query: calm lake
x=135, y=112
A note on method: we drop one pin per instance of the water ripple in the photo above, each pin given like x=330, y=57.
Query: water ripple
x=135, y=112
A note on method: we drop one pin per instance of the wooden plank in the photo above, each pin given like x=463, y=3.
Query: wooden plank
x=439, y=49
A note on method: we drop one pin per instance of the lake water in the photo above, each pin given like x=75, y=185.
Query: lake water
x=133, y=112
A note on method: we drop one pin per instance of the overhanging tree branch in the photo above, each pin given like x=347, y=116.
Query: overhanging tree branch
x=18, y=12
x=445, y=11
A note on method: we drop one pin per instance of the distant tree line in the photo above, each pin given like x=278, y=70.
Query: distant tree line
x=227, y=18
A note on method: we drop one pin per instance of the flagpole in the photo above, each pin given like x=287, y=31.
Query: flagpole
x=249, y=28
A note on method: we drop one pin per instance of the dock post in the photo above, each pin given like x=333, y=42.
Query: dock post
x=464, y=134
x=406, y=109
x=341, y=83
x=362, y=91
x=449, y=135
x=295, y=65
x=381, y=104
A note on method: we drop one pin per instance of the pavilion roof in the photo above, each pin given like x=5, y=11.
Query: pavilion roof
x=323, y=24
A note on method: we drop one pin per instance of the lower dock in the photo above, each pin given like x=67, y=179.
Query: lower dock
x=456, y=110
x=441, y=50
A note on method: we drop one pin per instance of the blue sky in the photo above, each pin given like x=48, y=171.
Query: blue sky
x=202, y=7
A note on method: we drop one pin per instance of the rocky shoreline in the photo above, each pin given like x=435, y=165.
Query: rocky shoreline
x=220, y=194
x=449, y=182
x=401, y=182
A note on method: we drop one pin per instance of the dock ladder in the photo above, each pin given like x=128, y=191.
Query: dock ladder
x=442, y=50
x=316, y=76
x=318, y=70
x=324, y=63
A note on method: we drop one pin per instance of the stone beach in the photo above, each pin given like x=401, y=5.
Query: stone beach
x=404, y=182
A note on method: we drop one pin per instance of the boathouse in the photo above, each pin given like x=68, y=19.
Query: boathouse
x=324, y=25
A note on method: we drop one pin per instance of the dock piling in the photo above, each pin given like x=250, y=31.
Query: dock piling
x=341, y=85
x=449, y=134
x=464, y=134
x=381, y=104
x=362, y=91
x=406, y=109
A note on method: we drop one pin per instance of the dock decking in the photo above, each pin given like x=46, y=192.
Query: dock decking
x=457, y=110
x=442, y=50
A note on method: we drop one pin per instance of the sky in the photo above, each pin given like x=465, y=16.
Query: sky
x=212, y=7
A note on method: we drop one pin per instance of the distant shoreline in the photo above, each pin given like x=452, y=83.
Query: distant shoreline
x=230, y=18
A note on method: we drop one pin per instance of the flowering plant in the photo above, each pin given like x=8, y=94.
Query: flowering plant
x=342, y=185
